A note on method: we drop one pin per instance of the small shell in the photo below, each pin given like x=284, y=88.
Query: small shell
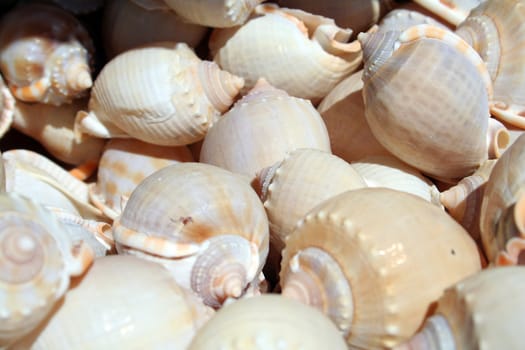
x=249, y=51
x=260, y=129
x=453, y=11
x=210, y=229
x=38, y=258
x=150, y=25
x=362, y=257
x=158, y=95
x=502, y=211
x=496, y=29
x=122, y=302
x=45, y=54
x=480, y=312
x=268, y=322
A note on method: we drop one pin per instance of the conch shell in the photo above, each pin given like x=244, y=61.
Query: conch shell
x=158, y=95
x=45, y=54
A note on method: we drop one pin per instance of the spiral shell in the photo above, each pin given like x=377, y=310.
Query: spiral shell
x=249, y=51
x=358, y=257
x=210, y=229
x=38, y=258
x=45, y=54
x=158, y=95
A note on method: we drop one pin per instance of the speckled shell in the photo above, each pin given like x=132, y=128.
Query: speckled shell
x=149, y=25
x=249, y=51
x=362, y=257
x=38, y=258
x=502, y=214
x=123, y=165
x=496, y=29
x=122, y=302
x=45, y=54
x=452, y=11
x=260, y=129
x=205, y=224
x=268, y=322
x=158, y=95
x=405, y=111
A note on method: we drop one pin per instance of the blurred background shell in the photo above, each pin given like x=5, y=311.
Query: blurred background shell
x=452, y=11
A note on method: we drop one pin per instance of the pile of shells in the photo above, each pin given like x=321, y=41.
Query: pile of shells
x=250, y=174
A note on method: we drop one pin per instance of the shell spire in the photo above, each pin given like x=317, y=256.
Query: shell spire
x=220, y=86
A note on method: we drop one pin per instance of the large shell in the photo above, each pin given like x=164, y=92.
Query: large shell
x=502, y=211
x=249, y=51
x=496, y=30
x=38, y=257
x=206, y=224
x=122, y=302
x=260, y=129
x=405, y=81
x=123, y=165
x=45, y=54
x=362, y=257
x=452, y=11
x=158, y=95
x=268, y=322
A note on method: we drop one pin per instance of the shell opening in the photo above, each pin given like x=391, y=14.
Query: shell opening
x=316, y=279
x=511, y=228
x=436, y=334
x=498, y=138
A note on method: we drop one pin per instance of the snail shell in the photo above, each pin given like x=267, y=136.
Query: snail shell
x=209, y=229
x=502, y=214
x=125, y=302
x=446, y=141
x=361, y=257
x=158, y=95
x=479, y=312
x=495, y=29
x=260, y=129
x=45, y=54
x=249, y=51
x=38, y=257
x=268, y=321
x=123, y=165
x=452, y=11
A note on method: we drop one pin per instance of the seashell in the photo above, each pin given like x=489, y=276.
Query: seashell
x=478, y=312
x=151, y=25
x=495, y=29
x=268, y=321
x=343, y=112
x=53, y=127
x=260, y=129
x=38, y=259
x=123, y=165
x=158, y=95
x=447, y=141
x=502, y=213
x=33, y=175
x=249, y=51
x=400, y=19
x=210, y=229
x=390, y=172
x=125, y=303
x=361, y=258
x=45, y=54
x=452, y=11
x=7, y=106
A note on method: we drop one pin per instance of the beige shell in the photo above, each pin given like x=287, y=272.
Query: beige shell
x=53, y=127
x=122, y=302
x=204, y=223
x=406, y=113
x=250, y=51
x=7, y=107
x=158, y=95
x=268, y=321
x=343, y=111
x=123, y=165
x=363, y=256
x=495, y=29
x=452, y=11
x=149, y=25
x=38, y=257
x=45, y=54
x=502, y=214
x=480, y=312
x=401, y=19
x=260, y=129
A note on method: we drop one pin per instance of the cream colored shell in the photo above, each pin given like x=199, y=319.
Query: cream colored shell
x=452, y=11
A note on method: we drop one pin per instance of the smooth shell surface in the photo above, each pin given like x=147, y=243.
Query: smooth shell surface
x=452, y=11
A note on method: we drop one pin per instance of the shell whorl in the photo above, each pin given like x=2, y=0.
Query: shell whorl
x=220, y=86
